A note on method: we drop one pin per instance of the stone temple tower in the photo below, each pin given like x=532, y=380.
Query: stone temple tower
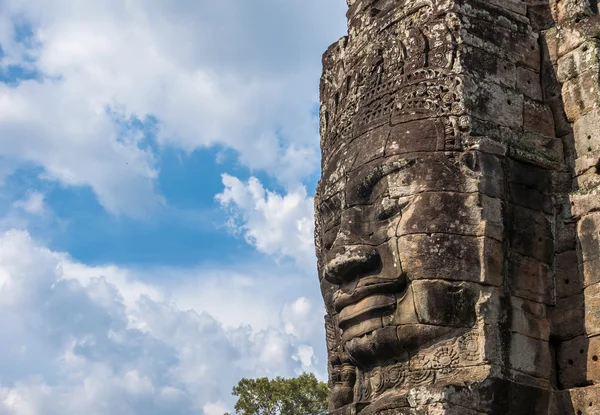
x=458, y=212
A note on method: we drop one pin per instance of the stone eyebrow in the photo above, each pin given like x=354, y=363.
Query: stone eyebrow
x=366, y=184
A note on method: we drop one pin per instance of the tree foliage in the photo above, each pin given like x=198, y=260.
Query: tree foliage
x=303, y=395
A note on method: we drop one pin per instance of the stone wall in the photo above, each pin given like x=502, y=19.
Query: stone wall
x=458, y=213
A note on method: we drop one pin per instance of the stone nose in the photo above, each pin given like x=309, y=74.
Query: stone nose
x=350, y=263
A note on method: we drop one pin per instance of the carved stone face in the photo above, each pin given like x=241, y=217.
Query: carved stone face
x=399, y=245
x=408, y=226
x=453, y=253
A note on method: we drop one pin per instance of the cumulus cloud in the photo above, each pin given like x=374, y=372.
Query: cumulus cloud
x=242, y=294
x=232, y=72
x=108, y=85
x=275, y=224
x=301, y=318
x=80, y=339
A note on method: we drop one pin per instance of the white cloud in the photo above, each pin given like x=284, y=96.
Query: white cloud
x=232, y=72
x=299, y=317
x=305, y=355
x=215, y=408
x=243, y=75
x=95, y=340
x=275, y=224
x=131, y=289
x=244, y=294
x=34, y=203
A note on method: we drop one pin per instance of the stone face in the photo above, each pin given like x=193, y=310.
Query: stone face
x=457, y=216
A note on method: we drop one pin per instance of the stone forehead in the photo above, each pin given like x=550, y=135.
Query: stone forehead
x=403, y=76
x=414, y=173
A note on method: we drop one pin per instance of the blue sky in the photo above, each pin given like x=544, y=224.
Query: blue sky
x=157, y=166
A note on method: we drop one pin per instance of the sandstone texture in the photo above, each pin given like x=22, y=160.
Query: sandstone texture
x=458, y=212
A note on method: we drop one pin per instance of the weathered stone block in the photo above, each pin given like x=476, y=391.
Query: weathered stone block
x=567, y=317
x=531, y=356
x=531, y=234
x=551, y=89
x=531, y=279
x=579, y=362
x=533, y=308
x=515, y=44
x=585, y=57
x=416, y=136
x=527, y=319
x=583, y=401
x=538, y=117
x=453, y=213
x=520, y=398
x=539, y=15
x=587, y=164
x=451, y=257
x=493, y=103
x=581, y=95
x=572, y=356
x=584, y=202
x=490, y=171
x=574, y=33
x=528, y=83
x=485, y=145
x=335, y=170
x=561, y=187
x=530, y=186
x=587, y=180
x=370, y=146
x=566, y=235
x=437, y=172
x=551, y=42
x=592, y=309
x=586, y=131
x=514, y=6
x=588, y=232
x=568, y=278
x=455, y=310
x=491, y=67
x=591, y=271
x=535, y=148
x=479, y=128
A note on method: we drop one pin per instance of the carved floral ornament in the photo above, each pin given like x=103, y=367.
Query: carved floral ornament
x=423, y=368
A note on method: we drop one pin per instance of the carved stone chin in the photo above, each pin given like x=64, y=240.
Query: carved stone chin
x=457, y=213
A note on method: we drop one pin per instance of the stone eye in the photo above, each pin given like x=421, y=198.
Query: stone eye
x=329, y=209
x=368, y=182
x=388, y=208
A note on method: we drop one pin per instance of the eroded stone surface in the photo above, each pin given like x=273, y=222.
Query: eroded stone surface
x=457, y=225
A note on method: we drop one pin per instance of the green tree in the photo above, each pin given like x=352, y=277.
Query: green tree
x=303, y=395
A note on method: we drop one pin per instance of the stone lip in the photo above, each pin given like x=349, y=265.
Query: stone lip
x=360, y=312
x=370, y=303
